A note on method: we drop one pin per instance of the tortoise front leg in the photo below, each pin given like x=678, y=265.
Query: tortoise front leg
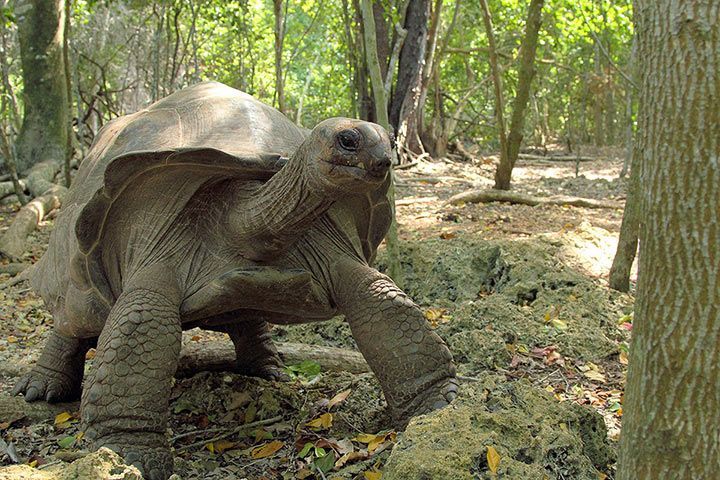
x=58, y=375
x=125, y=402
x=412, y=363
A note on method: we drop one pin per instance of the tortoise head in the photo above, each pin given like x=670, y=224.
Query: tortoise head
x=347, y=155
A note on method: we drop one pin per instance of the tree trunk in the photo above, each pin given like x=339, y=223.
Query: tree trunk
x=381, y=103
x=405, y=100
x=44, y=132
x=497, y=84
x=598, y=97
x=278, y=9
x=628, y=241
x=525, y=77
x=672, y=405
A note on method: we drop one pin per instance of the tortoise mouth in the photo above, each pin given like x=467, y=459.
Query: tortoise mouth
x=355, y=168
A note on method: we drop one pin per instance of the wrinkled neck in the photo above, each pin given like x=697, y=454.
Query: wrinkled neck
x=269, y=219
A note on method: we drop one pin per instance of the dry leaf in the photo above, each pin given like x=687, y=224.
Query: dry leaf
x=220, y=446
x=340, y=397
x=12, y=339
x=623, y=357
x=493, y=459
x=373, y=474
x=62, y=418
x=324, y=421
x=349, y=457
x=267, y=450
x=239, y=399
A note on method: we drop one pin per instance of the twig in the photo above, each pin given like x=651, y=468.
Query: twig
x=239, y=429
x=604, y=51
x=468, y=379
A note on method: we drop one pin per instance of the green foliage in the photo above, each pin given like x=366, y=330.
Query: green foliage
x=127, y=53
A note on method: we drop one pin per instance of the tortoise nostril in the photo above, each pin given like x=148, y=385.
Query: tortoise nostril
x=381, y=164
x=349, y=139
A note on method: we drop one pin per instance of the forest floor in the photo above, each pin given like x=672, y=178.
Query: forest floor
x=518, y=292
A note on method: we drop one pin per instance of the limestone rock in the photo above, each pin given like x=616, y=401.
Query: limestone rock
x=535, y=436
x=101, y=465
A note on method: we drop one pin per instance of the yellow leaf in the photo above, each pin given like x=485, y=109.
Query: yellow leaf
x=559, y=324
x=221, y=445
x=62, y=417
x=373, y=474
x=434, y=313
x=623, y=357
x=364, y=438
x=12, y=339
x=493, y=459
x=33, y=464
x=210, y=446
x=340, y=397
x=323, y=421
x=267, y=450
x=90, y=354
x=79, y=436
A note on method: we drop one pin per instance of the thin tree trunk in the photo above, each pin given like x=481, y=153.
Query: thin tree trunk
x=381, y=103
x=405, y=100
x=628, y=241
x=497, y=83
x=672, y=404
x=44, y=131
x=278, y=9
x=525, y=77
x=598, y=97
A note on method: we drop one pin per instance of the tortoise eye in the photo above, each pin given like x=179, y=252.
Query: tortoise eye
x=349, y=139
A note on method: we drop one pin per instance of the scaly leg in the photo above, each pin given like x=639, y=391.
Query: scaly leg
x=412, y=363
x=58, y=375
x=125, y=402
x=254, y=349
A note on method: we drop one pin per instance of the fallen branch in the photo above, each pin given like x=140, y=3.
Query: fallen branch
x=199, y=356
x=241, y=428
x=489, y=196
x=12, y=244
x=40, y=177
x=7, y=188
x=13, y=268
x=21, y=277
x=556, y=158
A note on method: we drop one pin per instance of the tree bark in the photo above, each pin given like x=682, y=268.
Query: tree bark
x=278, y=10
x=670, y=427
x=525, y=77
x=489, y=196
x=199, y=356
x=405, y=100
x=628, y=241
x=497, y=82
x=44, y=131
x=381, y=103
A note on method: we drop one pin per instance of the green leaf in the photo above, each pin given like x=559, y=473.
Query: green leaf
x=325, y=463
x=66, y=442
x=306, y=369
x=305, y=450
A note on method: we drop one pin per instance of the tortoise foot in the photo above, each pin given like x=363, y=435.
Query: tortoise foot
x=437, y=397
x=49, y=385
x=155, y=463
x=272, y=370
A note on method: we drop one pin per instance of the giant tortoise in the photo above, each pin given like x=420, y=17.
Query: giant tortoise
x=212, y=209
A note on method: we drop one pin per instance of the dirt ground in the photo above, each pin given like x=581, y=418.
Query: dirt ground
x=518, y=292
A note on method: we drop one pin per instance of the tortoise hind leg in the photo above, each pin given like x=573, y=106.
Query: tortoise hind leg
x=58, y=375
x=256, y=355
